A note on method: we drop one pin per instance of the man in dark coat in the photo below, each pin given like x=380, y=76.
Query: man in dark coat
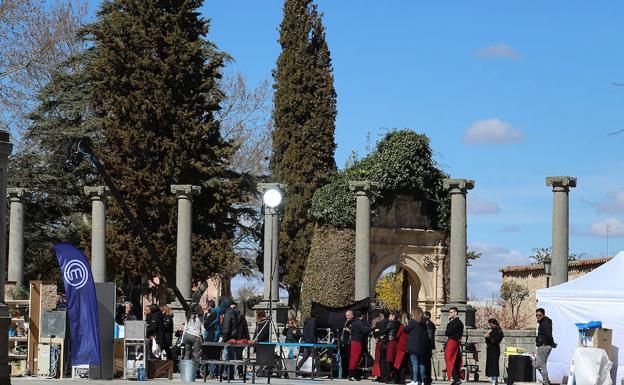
x=309, y=337
x=230, y=330
x=545, y=343
x=452, y=351
x=345, y=343
x=431, y=330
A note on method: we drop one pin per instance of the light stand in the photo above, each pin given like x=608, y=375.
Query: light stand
x=272, y=199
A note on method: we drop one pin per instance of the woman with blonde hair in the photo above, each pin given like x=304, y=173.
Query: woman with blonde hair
x=167, y=322
x=417, y=344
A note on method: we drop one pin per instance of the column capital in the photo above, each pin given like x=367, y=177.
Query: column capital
x=16, y=194
x=185, y=191
x=263, y=187
x=458, y=186
x=97, y=193
x=561, y=182
x=363, y=187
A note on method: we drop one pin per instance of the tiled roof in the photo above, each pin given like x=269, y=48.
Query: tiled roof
x=540, y=266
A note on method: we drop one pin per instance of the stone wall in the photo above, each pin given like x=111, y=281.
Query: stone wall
x=533, y=277
x=516, y=338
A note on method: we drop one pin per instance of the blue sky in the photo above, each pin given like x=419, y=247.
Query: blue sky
x=508, y=92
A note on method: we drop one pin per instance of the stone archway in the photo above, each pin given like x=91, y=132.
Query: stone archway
x=400, y=236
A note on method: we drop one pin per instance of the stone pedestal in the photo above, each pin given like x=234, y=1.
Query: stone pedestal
x=270, y=265
x=16, y=198
x=184, y=262
x=362, y=191
x=560, y=227
x=5, y=320
x=98, y=196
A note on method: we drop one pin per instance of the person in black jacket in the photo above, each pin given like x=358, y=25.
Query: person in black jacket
x=359, y=331
x=291, y=332
x=392, y=346
x=417, y=345
x=345, y=343
x=493, y=338
x=309, y=337
x=263, y=327
x=167, y=323
x=545, y=343
x=154, y=330
x=452, y=351
x=380, y=367
x=431, y=330
x=230, y=330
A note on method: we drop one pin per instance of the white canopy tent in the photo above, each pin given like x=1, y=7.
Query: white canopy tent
x=597, y=296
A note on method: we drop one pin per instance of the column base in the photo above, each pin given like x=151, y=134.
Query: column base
x=465, y=312
x=5, y=368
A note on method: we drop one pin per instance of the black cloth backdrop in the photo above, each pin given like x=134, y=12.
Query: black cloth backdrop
x=334, y=317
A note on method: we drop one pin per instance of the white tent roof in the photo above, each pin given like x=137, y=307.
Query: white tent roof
x=603, y=284
x=597, y=296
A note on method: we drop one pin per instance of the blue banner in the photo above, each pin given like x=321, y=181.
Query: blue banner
x=82, y=308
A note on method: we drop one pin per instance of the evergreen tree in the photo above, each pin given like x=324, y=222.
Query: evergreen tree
x=156, y=91
x=303, y=139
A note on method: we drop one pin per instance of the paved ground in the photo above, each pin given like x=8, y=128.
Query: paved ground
x=38, y=381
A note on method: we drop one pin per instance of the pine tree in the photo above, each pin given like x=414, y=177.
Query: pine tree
x=156, y=91
x=303, y=139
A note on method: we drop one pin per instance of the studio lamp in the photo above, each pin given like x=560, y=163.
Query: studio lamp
x=272, y=197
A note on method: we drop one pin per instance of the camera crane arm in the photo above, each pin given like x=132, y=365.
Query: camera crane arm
x=76, y=153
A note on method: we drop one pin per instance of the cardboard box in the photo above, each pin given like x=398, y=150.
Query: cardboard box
x=597, y=338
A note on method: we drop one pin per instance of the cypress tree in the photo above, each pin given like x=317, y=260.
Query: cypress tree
x=303, y=140
x=156, y=90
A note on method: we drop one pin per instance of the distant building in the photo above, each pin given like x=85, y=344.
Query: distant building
x=533, y=277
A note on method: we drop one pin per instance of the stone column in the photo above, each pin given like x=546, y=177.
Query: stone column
x=16, y=234
x=184, y=262
x=98, y=196
x=362, y=191
x=270, y=265
x=458, y=188
x=5, y=319
x=560, y=227
x=458, y=293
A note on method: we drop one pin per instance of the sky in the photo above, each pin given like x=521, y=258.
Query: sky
x=508, y=93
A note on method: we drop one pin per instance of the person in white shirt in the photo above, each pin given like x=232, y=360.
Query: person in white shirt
x=193, y=332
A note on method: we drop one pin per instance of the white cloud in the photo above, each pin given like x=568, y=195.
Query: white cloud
x=492, y=131
x=511, y=229
x=484, y=277
x=613, y=204
x=599, y=227
x=481, y=206
x=498, y=50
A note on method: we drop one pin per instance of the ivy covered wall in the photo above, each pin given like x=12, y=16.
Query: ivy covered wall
x=401, y=163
